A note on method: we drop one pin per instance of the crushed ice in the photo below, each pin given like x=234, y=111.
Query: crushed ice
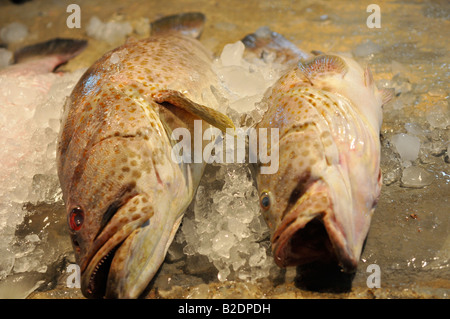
x=226, y=226
x=28, y=132
x=113, y=32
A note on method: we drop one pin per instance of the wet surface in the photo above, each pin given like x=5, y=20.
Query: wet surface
x=409, y=237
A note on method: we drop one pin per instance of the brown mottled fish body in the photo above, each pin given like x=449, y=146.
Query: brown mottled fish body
x=124, y=194
x=320, y=202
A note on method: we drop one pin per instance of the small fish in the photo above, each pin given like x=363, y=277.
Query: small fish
x=125, y=196
x=43, y=58
x=264, y=42
x=319, y=204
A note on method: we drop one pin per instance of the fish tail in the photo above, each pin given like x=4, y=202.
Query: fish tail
x=190, y=24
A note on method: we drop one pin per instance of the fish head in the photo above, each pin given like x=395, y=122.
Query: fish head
x=123, y=209
x=295, y=201
x=345, y=76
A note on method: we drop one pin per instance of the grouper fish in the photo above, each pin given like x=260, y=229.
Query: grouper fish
x=124, y=194
x=319, y=204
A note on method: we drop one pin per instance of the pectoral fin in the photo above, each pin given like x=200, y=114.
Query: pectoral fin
x=205, y=113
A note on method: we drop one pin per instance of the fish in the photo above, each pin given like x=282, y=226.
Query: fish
x=124, y=194
x=265, y=42
x=319, y=204
x=43, y=58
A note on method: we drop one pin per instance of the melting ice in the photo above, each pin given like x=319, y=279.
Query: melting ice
x=29, y=125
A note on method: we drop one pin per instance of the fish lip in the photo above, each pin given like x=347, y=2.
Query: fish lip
x=95, y=277
x=103, y=258
x=302, y=239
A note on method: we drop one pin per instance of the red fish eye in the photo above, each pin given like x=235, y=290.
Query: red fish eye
x=76, y=218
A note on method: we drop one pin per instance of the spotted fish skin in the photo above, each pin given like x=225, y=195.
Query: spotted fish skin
x=320, y=202
x=124, y=195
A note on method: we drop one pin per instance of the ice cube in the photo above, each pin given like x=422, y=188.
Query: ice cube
x=232, y=54
x=258, y=257
x=14, y=32
x=407, y=146
x=111, y=31
x=416, y=177
x=222, y=243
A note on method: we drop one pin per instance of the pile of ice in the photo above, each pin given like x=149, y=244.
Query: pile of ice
x=244, y=82
x=412, y=151
x=115, y=32
x=112, y=32
x=226, y=225
x=29, y=125
x=409, y=152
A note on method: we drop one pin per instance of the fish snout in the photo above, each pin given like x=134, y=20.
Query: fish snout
x=309, y=232
x=121, y=221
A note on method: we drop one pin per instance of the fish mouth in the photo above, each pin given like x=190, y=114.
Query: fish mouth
x=96, y=267
x=98, y=277
x=128, y=254
x=303, y=244
x=308, y=233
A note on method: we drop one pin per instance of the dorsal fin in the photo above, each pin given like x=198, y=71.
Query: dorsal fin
x=190, y=24
x=323, y=64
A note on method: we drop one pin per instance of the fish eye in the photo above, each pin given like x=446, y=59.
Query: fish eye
x=264, y=200
x=76, y=218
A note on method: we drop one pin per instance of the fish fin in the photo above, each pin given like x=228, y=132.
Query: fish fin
x=190, y=24
x=213, y=117
x=387, y=95
x=264, y=41
x=65, y=49
x=368, y=77
x=323, y=64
